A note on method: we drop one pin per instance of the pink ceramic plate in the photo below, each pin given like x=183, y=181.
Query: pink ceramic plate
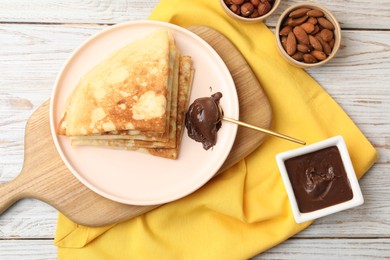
x=132, y=177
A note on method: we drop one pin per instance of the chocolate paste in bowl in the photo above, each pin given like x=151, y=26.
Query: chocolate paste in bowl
x=319, y=179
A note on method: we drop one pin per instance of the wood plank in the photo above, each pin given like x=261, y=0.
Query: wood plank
x=27, y=81
x=319, y=249
x=28, y=249
x=350, y=14
x=110, y=12
x=49, y=11
x=28, y=219
x=357, y=78
x=31, y=73
x=292, y=249
x=28, y=75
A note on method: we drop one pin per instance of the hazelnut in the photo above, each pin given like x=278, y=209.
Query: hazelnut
x=237, y=2
x=264, y=7
x=247, y=9
x=254, y=14
x=235, y=9
x=255, y=3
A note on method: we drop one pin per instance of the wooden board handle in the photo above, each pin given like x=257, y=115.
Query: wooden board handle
x=10, y=193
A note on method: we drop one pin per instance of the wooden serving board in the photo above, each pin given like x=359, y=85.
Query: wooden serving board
x=44, y=176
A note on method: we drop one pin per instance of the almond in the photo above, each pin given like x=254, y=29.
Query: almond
x=312, y=20
x=283, y=40
x=319, y=38
x=316, y=30
x=306, y=34
x=325, y=23
x=285, y=30
x=300, y=20
x=299, y=12
x=327, y=48
x=294, y=22
x=291, y=45
x=308, y=58
x=308, y=27
x=288, y=21
x=331, y=43
x=301, y=35
x=298, y=56
x=319, y=55
x=303, y=48
x=315, y=13
x=326, y=34
x=315, y=43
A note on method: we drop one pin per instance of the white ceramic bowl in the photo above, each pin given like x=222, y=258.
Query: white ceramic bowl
x=328, y=15
x=357, y=198
x=248, y=19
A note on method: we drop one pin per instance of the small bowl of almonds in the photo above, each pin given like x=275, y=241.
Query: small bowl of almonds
x=307, y=35
x=250, y=10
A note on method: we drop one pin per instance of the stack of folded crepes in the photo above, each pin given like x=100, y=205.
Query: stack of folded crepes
x=134, y=100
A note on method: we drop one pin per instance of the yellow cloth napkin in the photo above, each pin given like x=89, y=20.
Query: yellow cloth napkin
x=245, y=210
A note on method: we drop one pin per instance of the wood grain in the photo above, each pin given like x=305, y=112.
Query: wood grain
x=45, y=177
x=367, y=104
x=37, y=37
x=363, y=249
x=28, y=249
x=330, y=249
x=110, y=12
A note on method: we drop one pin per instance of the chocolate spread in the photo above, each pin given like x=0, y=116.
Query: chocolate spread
x=319, y=179
x=203, y=120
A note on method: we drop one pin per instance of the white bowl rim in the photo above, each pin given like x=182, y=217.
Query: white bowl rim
x=248, y=19
x=328, y=14
x=338, y=141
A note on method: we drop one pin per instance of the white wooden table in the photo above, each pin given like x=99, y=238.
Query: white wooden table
x=36, y=37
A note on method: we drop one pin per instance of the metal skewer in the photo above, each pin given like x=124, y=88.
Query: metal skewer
x=222, y=117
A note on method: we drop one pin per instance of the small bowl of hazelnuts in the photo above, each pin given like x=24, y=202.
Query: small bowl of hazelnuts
x=307, y=35
x=250, y=10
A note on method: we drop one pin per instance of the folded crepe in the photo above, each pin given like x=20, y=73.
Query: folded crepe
x=131, y=89
x=172, y=147
x=171, y=112
x=130, y=100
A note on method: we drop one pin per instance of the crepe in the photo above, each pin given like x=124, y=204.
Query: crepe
x=185, y=81
x=135, y=134
x=131, y=89
x=135, y=99
x=184, y=89
x=142, y=138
